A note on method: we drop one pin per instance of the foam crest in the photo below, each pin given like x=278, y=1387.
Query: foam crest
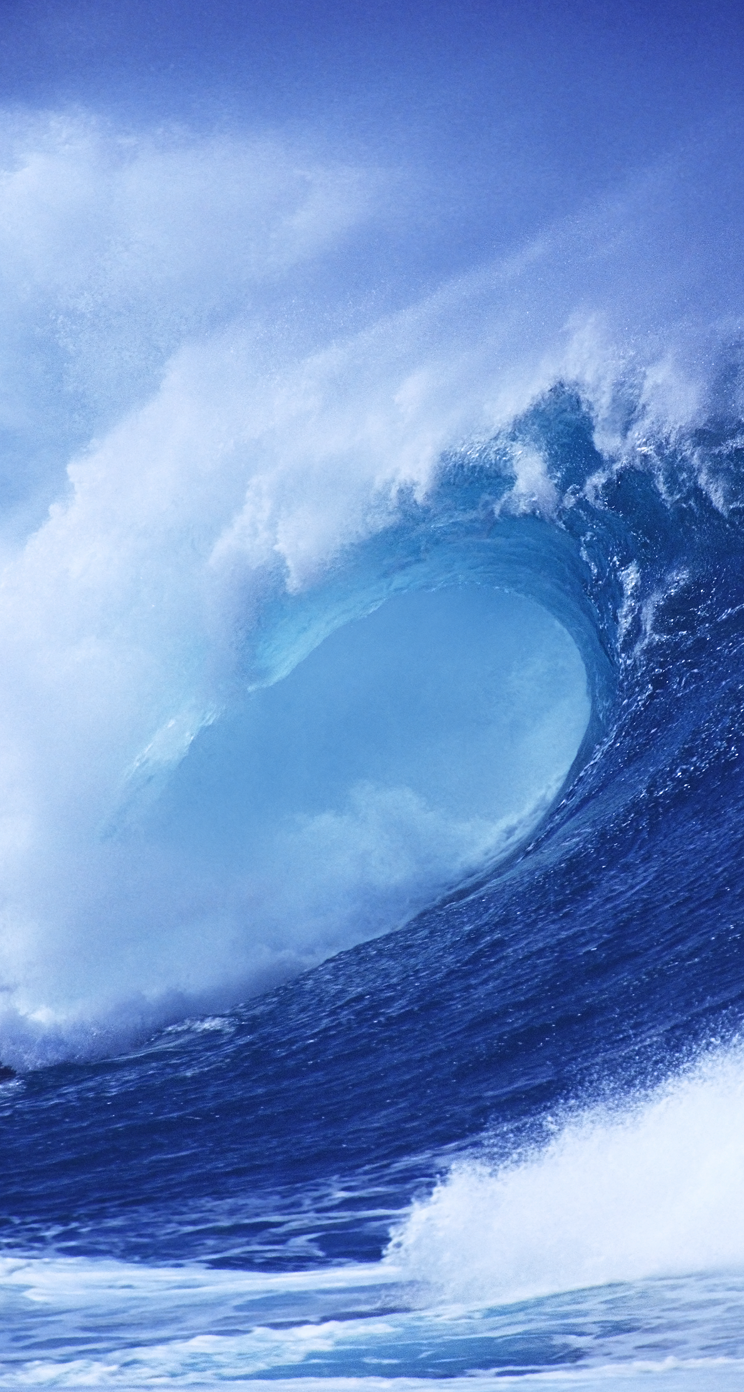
x=653, y=1191
x=117, y=248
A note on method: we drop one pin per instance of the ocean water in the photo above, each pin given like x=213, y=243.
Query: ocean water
x=372, y=812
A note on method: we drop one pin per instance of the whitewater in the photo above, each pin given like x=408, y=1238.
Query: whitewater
x=371, y=717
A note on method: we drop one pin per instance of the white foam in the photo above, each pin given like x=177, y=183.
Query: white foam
x=650, y=1191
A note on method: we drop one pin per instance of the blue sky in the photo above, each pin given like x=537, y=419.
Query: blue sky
x=504, y=115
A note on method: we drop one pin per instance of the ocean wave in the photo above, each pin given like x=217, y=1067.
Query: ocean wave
x=232, y=522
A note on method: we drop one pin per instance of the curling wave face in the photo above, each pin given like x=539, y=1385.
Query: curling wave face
x=387, y=730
